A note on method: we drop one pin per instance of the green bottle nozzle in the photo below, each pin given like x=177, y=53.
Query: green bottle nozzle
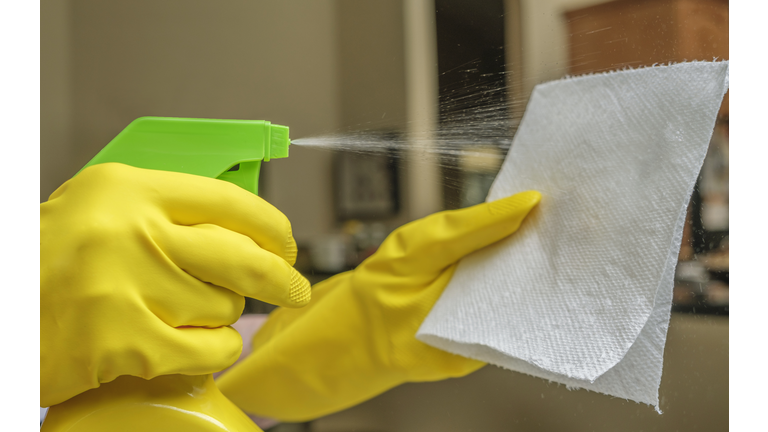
x=229, y=150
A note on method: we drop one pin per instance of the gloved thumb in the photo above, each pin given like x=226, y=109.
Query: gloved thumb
x=437, y=241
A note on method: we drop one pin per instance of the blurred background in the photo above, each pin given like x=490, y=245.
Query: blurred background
x=413, y=79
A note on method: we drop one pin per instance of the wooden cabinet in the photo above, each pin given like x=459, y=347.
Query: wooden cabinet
x=633, y=33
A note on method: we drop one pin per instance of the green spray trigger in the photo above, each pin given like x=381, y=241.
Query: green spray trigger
x=229, y=150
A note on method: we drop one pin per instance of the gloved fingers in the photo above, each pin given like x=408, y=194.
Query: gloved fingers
x=231, y=260
x=195, y=350
x=205, y=200
x=200, y=305
x=190, y=199
x=433, y=243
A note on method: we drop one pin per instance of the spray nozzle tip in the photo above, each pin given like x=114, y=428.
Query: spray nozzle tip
x=278, y=141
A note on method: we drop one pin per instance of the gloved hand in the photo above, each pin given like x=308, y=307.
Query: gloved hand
x=356, y=338
x=142, y=272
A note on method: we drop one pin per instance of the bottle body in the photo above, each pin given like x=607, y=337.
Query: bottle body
x=167, y=403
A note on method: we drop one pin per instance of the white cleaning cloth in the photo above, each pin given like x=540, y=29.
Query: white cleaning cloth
x=581, y=294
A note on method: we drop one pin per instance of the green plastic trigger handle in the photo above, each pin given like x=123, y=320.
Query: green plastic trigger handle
x=229, y=150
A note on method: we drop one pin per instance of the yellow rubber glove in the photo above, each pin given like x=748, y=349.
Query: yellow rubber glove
x=356, y=338
x=142, y=272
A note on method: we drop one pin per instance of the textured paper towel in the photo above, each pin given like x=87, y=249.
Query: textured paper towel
x=582, y=293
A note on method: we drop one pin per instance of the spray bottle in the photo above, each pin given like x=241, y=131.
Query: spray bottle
x=229, y=150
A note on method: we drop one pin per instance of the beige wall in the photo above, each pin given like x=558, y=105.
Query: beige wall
x=106, y=63
x=55, y=95
x=371, y=64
